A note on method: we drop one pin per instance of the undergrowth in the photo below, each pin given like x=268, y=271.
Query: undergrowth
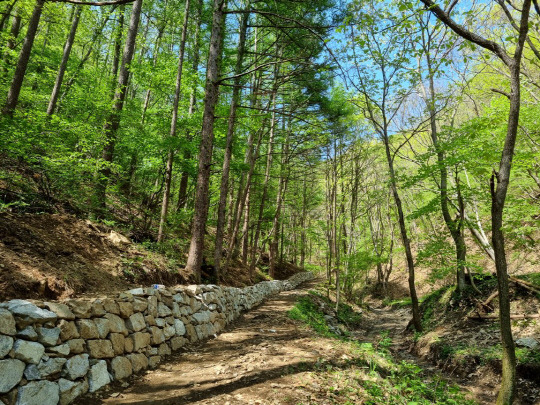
x=371, y=375
x=309, y=312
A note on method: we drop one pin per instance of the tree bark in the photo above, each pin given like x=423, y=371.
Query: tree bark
x=196, y=248
x=13, y=34
x=455, y=227
x=22, y=63
x=404, y=237
x=97, y=32
x=146, y=104
x=282, y=188
x=269, y=158
x=245, y=230
x=63, y=64
x=6, y=14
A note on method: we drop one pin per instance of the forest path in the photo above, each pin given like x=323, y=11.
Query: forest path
x=263, y=358
x=255, y=361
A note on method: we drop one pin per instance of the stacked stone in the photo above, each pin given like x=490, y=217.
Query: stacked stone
x=51, y=352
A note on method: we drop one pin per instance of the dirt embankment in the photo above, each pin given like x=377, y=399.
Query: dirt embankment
x=55, y=256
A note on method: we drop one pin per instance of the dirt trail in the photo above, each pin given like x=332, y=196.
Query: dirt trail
x=263, y=358
x=251, y=363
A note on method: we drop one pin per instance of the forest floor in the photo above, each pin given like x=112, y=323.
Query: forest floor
x=268, y=358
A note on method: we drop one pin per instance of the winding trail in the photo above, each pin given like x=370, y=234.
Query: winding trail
x=263, y=358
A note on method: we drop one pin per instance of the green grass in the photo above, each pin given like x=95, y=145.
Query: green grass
x=371, y=375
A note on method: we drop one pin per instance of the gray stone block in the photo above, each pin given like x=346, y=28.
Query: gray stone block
x=39, y=393
x=12, y=372
x=76, y=367
x=98, y=376
x=29, y=352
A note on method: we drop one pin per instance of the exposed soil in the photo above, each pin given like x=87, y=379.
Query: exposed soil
x=55, y=256
x=472, y=364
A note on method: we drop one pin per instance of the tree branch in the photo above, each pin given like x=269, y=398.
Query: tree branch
x=468, y=35
x=504, y=93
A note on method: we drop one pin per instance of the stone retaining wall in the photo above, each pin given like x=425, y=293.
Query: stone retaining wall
x=52, y=352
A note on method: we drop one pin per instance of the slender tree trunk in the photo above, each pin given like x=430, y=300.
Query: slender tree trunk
x=146, y=104
x=65, y=57
x=249, y=159
x=113, y=121
x=245, y=230
x=243, y=191
x=6, y=14
x=329, y=221
x=269, y=158
x=252, y=153
x=404, y=237
x=279, y=203
x=224, y=186
x=24, y=57
x=454, y=226
x=13, y=34
x=174, y=120
x=196, y=248
x=182, y=191
x=499, y=188
x=97, y=32
x=303, y=224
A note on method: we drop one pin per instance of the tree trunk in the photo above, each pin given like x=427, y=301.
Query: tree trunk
x=113, y=121
x=13, y=34
x=196, y=248
x=245, y=230
x=22, y=63
x=303, y=224
x=274, y=244
x=404, y=237
x=235, y=101
x=146, y=104
x=182, y=191
x=269, y=158
x=454, y=226
x=63, y=64
x=499, y=188
x=174, y=121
